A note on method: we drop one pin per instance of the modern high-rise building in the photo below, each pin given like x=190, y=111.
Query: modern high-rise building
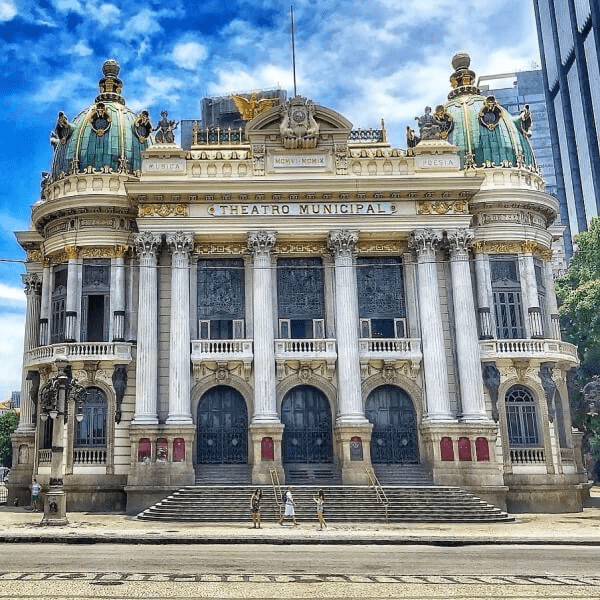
x=569, y=38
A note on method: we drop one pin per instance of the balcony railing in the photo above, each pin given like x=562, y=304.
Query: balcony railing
x=305, y=348
x=546, y=349
x=390, y=346
x=221, y=349
x=44, y=456
x=89, y=456
x=113, y=351
x=527, y=456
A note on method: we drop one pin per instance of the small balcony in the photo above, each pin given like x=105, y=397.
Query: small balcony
x=110, y=352
x=545, y=350
x=211, y=356
x=304, y=356
x=395, y=353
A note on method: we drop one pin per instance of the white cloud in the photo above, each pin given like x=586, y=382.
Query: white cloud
x=68, y=6
x=10, y=295
x=189, y=55
x=103, y=14
x=8, y=10
x=157, y=89
x=81, y=49
x=238, y=78
x=144, y=23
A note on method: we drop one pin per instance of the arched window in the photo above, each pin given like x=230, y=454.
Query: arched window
x=521, y=417
x=91, y=431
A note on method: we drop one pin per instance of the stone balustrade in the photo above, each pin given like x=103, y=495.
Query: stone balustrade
x=117, y=352
x=89, y=456
x=45, y=456
x=546, y=350
x=221, y=349
x=527, y=456
x=306, y=348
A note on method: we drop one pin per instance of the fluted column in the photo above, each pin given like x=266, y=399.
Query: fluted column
x=33, y=287
x=551, y=303
x=180, y=245
x=117, y=295
x=72, y=295
x=467, y=344
x=536, y=326
x=425, y=243
x=484, y=285
x=44, y=335
x=261, y=244
x=146, y=383
x=350, y=407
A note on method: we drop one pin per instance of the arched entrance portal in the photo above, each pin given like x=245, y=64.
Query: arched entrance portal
x=394, y=436
x=222, y=427
x=306, y=415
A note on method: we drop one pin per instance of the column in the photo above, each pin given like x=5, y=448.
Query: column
x=551, y=304
x=484, y=285
x=261, y=244
x=33, y=286
x=425, y=242
x=180, y=245
x=467, y=343
x=72, y=295
x=533, y=303
x=146, y=385
x=350, y=407
x=44, y=336
x=117, y=294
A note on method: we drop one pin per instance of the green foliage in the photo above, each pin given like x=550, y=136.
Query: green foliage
x=8, y=423
x=579, y=293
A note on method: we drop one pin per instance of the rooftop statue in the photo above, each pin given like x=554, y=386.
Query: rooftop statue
x=165, y=129
x=525, y=119
x=430, y=127
x=298, y=126
x=62, y=130
x=253, y=106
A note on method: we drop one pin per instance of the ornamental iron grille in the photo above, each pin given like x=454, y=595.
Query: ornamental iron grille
x=506, y=290
x=91, y=431
x=222, y=427
x=306, y=414
x=300, y=294
x=95, y=300
x=221, y=295
x=521, y=417
x=394, y=435
x=59, y=301
x=381, y=297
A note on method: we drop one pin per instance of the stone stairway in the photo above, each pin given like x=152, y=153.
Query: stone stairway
x=402, y=475
x=223, y=474
x=349, y=504
x=306, y=474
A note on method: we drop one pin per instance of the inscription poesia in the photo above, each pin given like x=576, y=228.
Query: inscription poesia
x=303, y=209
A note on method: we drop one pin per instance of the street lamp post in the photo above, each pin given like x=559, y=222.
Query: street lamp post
x=54, y=404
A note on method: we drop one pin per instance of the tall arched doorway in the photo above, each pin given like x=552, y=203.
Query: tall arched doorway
x=222, y=427
x=394, y=437
x=307, y=436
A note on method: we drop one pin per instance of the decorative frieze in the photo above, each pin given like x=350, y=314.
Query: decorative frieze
x=218, y=248
x=301, y=248
x=71, y=252
x=34, y=255
x=162, y=210
x=442, y=207
x=499, y=247
x=395, y=247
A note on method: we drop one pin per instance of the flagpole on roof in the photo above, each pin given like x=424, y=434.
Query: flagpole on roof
x=293, y=50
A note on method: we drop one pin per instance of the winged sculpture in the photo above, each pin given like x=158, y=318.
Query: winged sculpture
x=253, y=106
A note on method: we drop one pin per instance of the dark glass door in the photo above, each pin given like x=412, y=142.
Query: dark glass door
x=306, y=415
x=394, y=436
x=222, y=427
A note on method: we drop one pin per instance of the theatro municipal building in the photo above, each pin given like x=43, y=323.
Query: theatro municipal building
x=282, y=296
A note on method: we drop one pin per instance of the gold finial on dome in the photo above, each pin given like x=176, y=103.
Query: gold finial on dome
x=110, y=85
x=463, y=79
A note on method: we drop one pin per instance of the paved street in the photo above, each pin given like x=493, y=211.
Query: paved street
x=266, y=571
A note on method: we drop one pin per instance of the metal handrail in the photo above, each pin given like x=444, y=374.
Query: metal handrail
x=379, y=491
x=276, y=490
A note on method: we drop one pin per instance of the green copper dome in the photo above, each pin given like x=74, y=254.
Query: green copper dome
x=106, y=134
x=485, y=131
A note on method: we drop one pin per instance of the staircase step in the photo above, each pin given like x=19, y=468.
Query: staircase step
x=230, y=503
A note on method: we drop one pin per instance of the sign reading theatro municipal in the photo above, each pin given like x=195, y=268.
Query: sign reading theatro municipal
x=295, y=300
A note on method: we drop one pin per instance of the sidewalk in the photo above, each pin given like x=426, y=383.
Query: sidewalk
x=20, y=525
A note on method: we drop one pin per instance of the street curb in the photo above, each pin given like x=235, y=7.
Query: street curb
x=280, y=541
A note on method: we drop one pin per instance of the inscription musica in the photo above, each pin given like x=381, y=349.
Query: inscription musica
x=303, y=209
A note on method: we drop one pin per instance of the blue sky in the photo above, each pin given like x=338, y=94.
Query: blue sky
x=365, y=58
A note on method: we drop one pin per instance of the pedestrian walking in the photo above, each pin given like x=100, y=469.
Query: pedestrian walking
x=255, y=507
x=320, y=501
x=36, y=488
x=289, y=507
